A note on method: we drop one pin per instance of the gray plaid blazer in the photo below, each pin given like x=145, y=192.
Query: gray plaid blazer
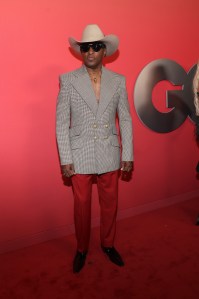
x=86, y=131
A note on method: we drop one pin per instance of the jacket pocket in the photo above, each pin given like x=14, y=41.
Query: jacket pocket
x=114, y=141
x=76, y=143
x=114, y=131
x=75, y=131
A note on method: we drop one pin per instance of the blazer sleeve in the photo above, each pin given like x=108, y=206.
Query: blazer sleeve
x=63, y=121
x=125, y=123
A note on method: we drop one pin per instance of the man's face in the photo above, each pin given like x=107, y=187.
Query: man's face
x=92, y=54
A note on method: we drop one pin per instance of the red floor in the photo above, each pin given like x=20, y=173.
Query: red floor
x=160, y=249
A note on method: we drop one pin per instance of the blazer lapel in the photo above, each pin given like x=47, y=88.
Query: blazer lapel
x=109, y=84
x=82, y=84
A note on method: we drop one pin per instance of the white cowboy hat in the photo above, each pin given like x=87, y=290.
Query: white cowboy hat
x=92, y=33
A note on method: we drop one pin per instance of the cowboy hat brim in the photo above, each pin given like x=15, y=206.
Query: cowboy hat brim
x=111, y=42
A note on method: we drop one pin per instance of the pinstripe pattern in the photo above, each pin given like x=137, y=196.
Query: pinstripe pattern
x=86, y=131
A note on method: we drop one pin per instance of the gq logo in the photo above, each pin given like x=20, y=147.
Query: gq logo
x=180, y=101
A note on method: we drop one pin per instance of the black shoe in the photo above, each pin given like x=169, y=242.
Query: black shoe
x=79, y=261
x=113, y=255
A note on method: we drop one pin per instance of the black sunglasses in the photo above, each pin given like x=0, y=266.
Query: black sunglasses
x=95, y=46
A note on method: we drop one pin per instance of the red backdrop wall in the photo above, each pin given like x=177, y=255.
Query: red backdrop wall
x=35, y=204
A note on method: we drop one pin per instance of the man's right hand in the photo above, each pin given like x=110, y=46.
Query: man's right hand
x=68, y=170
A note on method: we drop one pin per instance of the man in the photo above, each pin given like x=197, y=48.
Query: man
x=196, y=103
x=89, y=100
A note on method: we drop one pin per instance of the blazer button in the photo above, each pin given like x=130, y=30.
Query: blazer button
x=95, y=126
x=106, y=126
x=95, y=137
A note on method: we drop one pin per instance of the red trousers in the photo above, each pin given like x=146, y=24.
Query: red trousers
x=107, y=185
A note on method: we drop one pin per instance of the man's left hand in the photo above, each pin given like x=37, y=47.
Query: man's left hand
x=127, y=166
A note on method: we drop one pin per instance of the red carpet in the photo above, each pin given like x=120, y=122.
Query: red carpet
x=160, y=249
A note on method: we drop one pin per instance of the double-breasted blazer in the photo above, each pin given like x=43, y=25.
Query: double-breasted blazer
x=86, y=130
